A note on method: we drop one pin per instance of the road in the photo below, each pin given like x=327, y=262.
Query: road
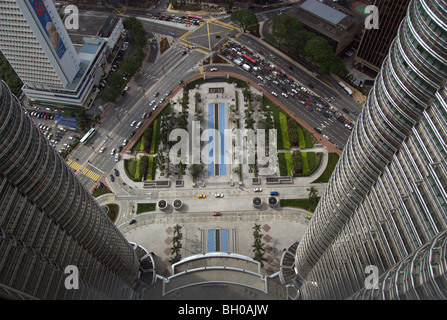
x=163, y=74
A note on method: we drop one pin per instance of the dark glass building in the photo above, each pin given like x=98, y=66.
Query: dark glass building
x=386, y=203
x=375, y=43
x=49, y=221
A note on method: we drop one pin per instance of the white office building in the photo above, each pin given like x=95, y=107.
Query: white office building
x=34, y=40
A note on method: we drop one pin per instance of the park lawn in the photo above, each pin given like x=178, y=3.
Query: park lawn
x=277, y=124
x=150, y=169
x=282, y=164
x=312, y=161
x=137, y=171
x=130, y=166
x=326, y=175
x=306, y=168
x=284, y=130
x=145, y=207
x=139, y=146
x=297, y=203
x=310, y=143
x=154, y=136
x=301, y=140
x=289, y=163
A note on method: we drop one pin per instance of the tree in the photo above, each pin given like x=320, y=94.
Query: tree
x=284, y=27
x=160, y=160
x=196, y=170
x=320, y=52
x=176, y=245
x=244, y=19
x=313, y=198
x=258, y=246
x=129, y=66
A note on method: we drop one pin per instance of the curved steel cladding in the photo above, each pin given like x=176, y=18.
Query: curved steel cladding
x=377, y=209
x=49, y=220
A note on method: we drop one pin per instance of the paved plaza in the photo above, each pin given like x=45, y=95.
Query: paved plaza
x=154, y=230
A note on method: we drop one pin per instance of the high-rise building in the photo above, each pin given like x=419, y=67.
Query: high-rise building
x=49, y=221
x=35, y=42
x=376, y=43
x=384, y=212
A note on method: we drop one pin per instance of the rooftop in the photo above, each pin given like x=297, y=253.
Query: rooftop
x=323, y=11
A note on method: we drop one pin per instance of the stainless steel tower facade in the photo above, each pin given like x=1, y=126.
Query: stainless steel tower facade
x=49, y=221
x=386, y=203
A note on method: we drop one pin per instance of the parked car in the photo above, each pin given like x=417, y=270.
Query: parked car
x=112, y=178
x=274, y=193
x=219, y=195
x=257, y=189
x=201, y=196
x=217, y=214
x=307, y=216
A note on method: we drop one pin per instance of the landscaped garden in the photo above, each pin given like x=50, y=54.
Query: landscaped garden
x=292, y=141
x=144, y=167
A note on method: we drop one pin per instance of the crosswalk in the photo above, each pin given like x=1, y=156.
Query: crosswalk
x=83, y=170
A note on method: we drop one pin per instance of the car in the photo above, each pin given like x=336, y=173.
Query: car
x=180, y=81
x=257, y=190
x=354, y=111
x=345, y=110
x=326, y=137
x=213, y=69
x=143, y=116
x=274, y=93
x=112, y=178
x=201, y=196
x=117, y=157
x=132, y=134
x=120, y=148
x=117, y=173
x=132, y=221
x=260, y=52
x=307, y=216
x=168, y=93
x=156, y=94
x=112, y=152
x=250, y=43
x=133, y=123
x=318, y=130
x=184, y=52
x=125, y=142
x=102, y=149
x=348, y=126
x=217, y=214
x=274, y=193
x=337, y=146
x=123, y=92
x=138, y=125
x=310, y=85
x=217, y=36
x=219, y=195
x=272, y=56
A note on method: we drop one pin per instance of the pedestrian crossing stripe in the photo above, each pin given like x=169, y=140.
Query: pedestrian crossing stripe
x=202, y=51
x=225, y=25
x=85, y=171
